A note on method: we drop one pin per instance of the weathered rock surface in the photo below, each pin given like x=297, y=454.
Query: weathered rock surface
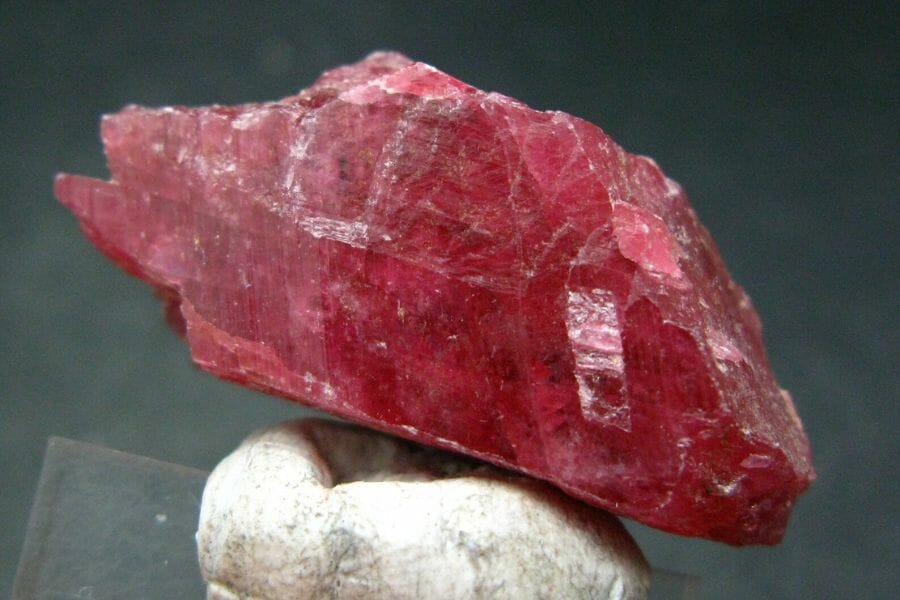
x=312, y=509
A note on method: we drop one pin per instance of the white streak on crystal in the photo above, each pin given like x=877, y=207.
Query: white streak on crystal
x=728, y=488
x=757, y=461
x=354, y=233
x=324, y=388
x=248, y=120
x=596, y=339
x=722, y=346
x=672, y=188
x=594, y=331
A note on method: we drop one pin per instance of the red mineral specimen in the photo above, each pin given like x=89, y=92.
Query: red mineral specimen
x=398, y=248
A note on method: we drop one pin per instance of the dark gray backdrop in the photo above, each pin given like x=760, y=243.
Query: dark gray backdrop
x=779, y=119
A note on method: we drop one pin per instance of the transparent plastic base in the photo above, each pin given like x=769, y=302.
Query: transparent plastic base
x=107, y=524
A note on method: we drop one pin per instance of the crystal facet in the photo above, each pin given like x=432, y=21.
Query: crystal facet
x=401, y=249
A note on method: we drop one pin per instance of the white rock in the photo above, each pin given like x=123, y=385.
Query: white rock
x=314, y=509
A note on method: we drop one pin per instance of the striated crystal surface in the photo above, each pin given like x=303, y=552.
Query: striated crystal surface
x=398, y=248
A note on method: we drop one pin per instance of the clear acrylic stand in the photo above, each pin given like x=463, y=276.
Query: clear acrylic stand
x=108, y=525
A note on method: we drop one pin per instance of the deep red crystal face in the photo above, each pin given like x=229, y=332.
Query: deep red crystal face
x=400, y=249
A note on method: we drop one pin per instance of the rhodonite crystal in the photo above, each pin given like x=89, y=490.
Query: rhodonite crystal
x=398, y=248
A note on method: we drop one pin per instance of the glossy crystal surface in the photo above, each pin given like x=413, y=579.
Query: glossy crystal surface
x=398, y=248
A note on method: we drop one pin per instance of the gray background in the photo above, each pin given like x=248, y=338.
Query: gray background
x=779, y=119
